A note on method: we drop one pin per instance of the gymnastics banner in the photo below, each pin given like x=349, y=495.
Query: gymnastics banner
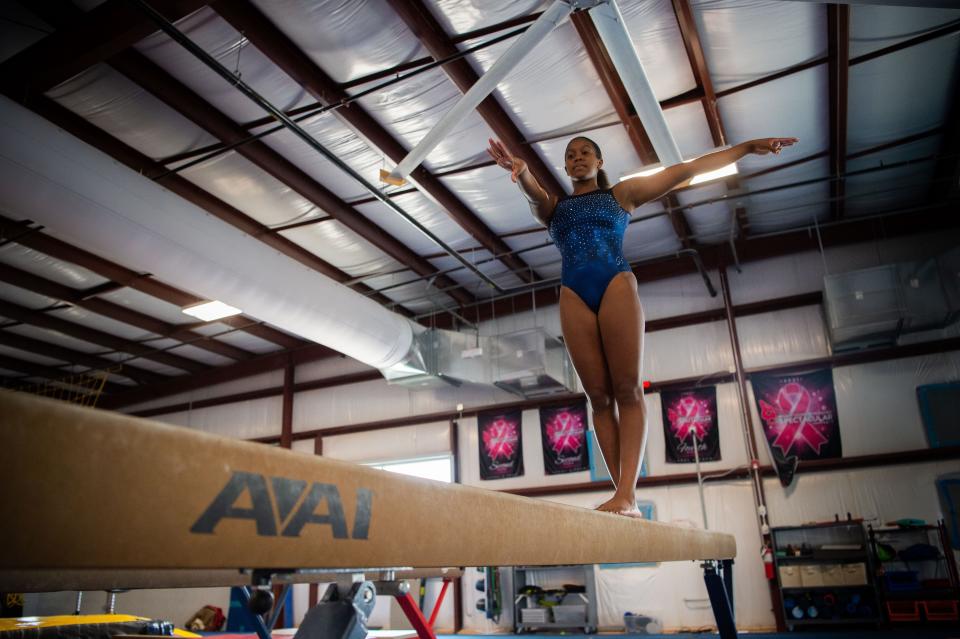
x=501, y=444
x=563, y=431
x=687, y=413
x=799, y=416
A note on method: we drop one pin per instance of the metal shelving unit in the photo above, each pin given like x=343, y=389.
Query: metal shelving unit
x=590, y=619
x=830, y=579
x=934, y=581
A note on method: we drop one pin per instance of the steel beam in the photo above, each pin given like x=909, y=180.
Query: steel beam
x=45, y=372
x=273, y=391
x=175, y=94
x=102, y=141
x=701, y=75
x=24, y=343
x=39, y=318
x=612, y=29
x=81, y=41
x=422, y=23
x=838, y=67
x=748, y=249
x=42, y=286
x=617, y=92
x=219, y=375
x=122, y=276
x=249, y=21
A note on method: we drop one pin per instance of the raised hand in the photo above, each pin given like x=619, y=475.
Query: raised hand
x=504, y=159
x=770, y=145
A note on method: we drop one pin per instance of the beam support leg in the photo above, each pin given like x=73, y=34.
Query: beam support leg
x=440, y=597
x=341, y=614
x=259, y=626
x=718, y=577
x=415, y=615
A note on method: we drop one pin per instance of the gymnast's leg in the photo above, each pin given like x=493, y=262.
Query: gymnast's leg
x=581, y=333
x=621, y=330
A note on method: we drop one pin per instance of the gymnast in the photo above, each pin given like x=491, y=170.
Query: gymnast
x=600, y=312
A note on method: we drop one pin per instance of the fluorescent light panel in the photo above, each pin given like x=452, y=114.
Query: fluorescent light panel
x=730, y=169
x=210, y=311
x=643, y=173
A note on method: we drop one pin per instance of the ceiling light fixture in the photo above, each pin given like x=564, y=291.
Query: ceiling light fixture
x=210, y=311
x=730, y=169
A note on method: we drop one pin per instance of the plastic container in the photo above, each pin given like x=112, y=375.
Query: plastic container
x=570, y=615
x=901, y=580
x=854, y=574
x=533, y=615
x=941, y=610
x=903, y=611
x=640, y=624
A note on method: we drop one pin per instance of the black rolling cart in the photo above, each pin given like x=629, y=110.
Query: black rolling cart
x=916, y=574
x=825, y=575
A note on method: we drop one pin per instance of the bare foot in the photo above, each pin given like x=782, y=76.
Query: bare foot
x=620, y=506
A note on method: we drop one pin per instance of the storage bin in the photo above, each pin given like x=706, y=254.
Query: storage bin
x=533, y=615
x=636, y=624
x=937, y=583
x=940, y=610
x=790, y=577
x=832, y=575
x=901, y=580
x=854, y=574
x=811, y=576
x=570, y=615
x=903, y=611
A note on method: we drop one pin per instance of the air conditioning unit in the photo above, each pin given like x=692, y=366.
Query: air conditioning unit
x=948, y=264
x=874, y=306
x=924, y=299
x=864, y=308
x=532, y=364
x=528, y=363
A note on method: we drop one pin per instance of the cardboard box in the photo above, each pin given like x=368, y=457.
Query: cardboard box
x=811, y=575
x=854, y=574
x=832, y=575
x=790, y=577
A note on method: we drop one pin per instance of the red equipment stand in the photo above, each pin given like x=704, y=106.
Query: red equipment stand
x=343, y=612
x=423, y=628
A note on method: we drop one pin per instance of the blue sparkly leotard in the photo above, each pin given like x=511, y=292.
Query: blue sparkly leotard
x=588, y=229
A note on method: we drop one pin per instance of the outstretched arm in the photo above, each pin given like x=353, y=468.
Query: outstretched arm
x=640, y=190
x=541, y=203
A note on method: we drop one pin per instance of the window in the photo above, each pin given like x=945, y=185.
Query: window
x=437, y=468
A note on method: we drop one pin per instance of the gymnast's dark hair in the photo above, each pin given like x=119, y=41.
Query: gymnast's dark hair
x=603, y=181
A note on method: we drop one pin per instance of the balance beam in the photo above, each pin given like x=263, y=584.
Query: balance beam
x=91, y=489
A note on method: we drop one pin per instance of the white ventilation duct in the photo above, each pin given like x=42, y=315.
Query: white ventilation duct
x=86, y=198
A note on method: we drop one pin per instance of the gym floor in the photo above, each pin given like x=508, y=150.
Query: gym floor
x=904, y=633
